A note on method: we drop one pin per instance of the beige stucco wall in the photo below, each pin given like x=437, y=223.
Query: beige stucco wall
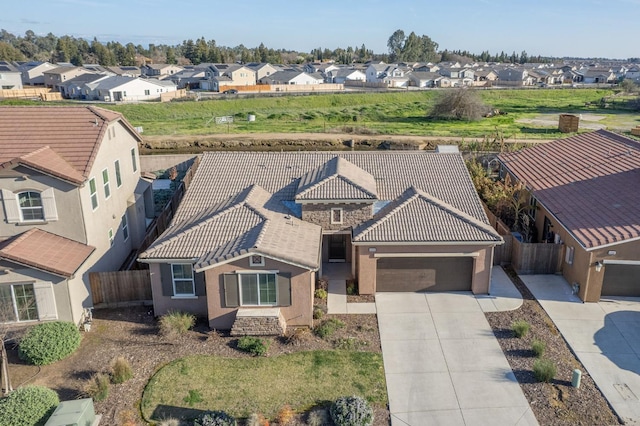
x=624, y=251
x=243, y=77
x=366, y=263
x=352, y=214
x=300, y=313
x=162, y=304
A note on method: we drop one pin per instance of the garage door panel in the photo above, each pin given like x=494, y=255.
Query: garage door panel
x=621, y=280
x=424, y=274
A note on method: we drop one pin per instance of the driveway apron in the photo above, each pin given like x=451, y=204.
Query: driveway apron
x=443, y=364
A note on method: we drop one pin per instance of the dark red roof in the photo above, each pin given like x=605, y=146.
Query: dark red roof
x=589, y=182
x=73, y=134
x=46, y=251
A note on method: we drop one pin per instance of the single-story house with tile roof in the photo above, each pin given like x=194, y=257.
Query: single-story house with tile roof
x=586, y=191
x=257, y=237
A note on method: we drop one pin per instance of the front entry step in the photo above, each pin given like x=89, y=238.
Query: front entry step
x=259, y=322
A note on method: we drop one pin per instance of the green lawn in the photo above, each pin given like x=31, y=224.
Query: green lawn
x=385, y=113
x=242, y=386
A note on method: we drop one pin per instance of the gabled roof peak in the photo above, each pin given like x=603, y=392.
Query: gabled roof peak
x=337, y=179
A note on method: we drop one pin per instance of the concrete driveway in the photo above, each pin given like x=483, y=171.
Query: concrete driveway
x=443, y=364
x=605, y=336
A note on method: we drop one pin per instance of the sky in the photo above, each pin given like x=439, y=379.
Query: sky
x=559, y=28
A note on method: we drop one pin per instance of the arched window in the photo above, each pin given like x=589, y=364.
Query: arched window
x=30, y=206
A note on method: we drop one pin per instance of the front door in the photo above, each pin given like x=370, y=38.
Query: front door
x=337, y=248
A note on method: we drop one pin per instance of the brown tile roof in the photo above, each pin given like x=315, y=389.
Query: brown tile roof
x=247, y=222
x=74, y=134
x=337, y=179
x=48, y=252
x=589, y=182
x=417, y=217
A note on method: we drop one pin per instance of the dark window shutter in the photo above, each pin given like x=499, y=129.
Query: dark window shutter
x=167, y=279
x=284, y=289
x=231, y=296
x=201, y=288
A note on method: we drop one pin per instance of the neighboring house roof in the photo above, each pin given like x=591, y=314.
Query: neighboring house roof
x=46, y=251
x=247, y=222
x=61, y=70
x=416, y=217
x=7, y=67
x=589, y=182
x=337, y=179
x=74, y=134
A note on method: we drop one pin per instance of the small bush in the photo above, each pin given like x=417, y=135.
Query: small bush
x=176, y=323
x=28, y=406
x=328, y=327
x=351, y=411
x=349, y=344
x=215, y=418
x=318, y=313
x=544, y=370
x=318, y=417
x=321, y=294
x=538, y=347
x=352, y=288
x=193, y=398
x=299, y=336
x=49, y=342
x=520, y=328
x=97, y=387
x=253, y=345
x=285, y=415
x=121, y=370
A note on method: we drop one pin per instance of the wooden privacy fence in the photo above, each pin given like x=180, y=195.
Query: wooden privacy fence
x=536, y=258
x=120, y=287
x=502, y=253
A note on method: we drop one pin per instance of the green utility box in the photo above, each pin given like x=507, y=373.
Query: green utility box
x=74, y=413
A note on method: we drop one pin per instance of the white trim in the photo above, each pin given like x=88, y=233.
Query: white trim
x=188, y=297
x=124, y=224
x=240, y=257
x=621, y=262
x=252, y=263
x=112, y=237
x=257, y=273
x=118, y=172
x=474, y=254
x=193, y=282
x=91, y=194
x=106, y=184
x=617, y=243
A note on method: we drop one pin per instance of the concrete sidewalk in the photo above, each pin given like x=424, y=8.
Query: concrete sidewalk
x=443, y=364
x=605, y=336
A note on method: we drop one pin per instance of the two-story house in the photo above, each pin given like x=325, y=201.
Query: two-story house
x=256, y=229
x=160, y=70
x=10, y=76
x=73, y=203
x=33, y=72
x=219, y=75
x=54, y=77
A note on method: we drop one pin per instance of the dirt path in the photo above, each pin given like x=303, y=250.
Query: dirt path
x=295, y=141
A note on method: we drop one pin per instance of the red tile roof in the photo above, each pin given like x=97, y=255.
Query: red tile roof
x=46, y=251
x=73, y=134
x=589, y=182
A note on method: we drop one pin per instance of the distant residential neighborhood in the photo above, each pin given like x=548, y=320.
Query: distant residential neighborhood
x=148, y=82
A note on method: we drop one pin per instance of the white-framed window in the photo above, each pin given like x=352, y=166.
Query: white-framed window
x=111, y=237
x=116, y=164
x=93, y=190
x=256, y=260
x=18, y=303
x=147, y=92
x=125, y=226
x=31, y=208
x=134, y=160
x=258, y=289
x=105, y=184
x=182, y=277
x=336, y=216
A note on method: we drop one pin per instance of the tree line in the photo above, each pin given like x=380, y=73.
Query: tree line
x=401, y=48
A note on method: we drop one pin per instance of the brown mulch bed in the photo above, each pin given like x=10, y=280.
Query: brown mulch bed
x=133, y=333
x=557, y=402
x=361, y=298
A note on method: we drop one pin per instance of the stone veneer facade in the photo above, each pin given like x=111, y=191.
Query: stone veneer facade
x=259, y=322
x=353, y=214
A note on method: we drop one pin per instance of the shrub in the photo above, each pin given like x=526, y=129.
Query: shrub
x=176, y=323
x=49, y=342
x=352, y=288
x=193, y=398
x=28, y=406
x=520, y=328
x=253, y=345
x=544, y=370
x=321, y=294
x=351, y=411
x=459, y=104
x=318, y=313
x=215, y=418
x=97, y=387
x=299, y=336
x=318, y=417
x=328, y=327
x=285, y=415
x=121, y=370
x=538, y=347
